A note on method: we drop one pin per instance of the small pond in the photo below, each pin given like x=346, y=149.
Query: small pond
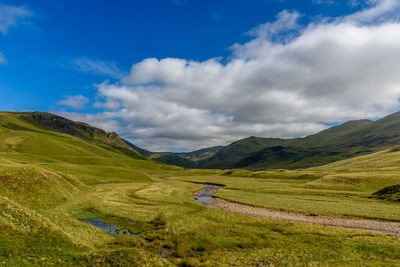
x=110, y=228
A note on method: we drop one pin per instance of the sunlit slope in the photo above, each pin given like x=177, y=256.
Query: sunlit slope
x=368, y=173
x=86, y=155
x=46, y=166
x=385, y=161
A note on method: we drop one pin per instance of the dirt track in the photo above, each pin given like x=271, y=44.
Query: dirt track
x=386, y=227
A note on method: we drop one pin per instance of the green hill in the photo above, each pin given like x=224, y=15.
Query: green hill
x=59, y=124
x=54, y=143
x=47, y=161
x=336, y=143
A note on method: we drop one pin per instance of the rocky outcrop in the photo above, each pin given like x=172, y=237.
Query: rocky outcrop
x=79, y=129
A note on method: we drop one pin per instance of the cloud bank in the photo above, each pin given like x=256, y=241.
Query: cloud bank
x=289, y=80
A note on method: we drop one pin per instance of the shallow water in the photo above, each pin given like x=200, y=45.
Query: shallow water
x=205, y=196
x=377, y=231
x=110, y=228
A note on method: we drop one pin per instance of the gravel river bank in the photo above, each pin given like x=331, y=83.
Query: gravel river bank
x=206, y=197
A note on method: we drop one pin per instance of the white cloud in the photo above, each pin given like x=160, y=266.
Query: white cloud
x=331, y=71
x=76, y=102
x=279, y=30
x=96, y=67
x=3, y=59
x=381, y=11
x=11, y=16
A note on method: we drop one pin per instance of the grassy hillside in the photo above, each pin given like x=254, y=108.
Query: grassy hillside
x=340, y=142
x=52, y=179
x=59, y=124
x=45, y=162
x=26, y=141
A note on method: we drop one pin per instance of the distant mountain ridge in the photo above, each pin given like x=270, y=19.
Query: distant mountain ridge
x=347, y=140
x=343, y=141
x=188, y=160
x=142, y=151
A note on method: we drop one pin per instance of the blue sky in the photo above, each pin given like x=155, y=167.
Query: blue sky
x=70, y=57
x=124, y=33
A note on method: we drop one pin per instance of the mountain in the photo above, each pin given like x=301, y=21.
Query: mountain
x=142, y=151
x=62, y=125
x=49, y=140
x=188, y=159
x=173, y=159
x=340, y=142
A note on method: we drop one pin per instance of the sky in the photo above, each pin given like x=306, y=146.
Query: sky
x=179, y=75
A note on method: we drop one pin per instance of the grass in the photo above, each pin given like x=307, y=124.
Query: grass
x=389, y=193
x=50, y=182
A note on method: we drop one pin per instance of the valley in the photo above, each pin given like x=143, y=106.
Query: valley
x=55, y=180
x=350, y=139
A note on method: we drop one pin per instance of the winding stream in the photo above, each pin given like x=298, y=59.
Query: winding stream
x=206, y=197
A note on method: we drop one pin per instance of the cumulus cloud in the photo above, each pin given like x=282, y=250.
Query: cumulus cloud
x=95, y=67
x=76, y=101
x=11, y=16
x=272, y=86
